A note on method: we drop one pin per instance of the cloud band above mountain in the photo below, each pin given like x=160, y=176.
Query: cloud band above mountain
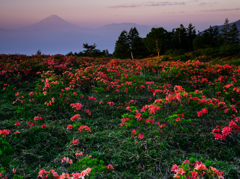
x=219, y=10
x=147, y=4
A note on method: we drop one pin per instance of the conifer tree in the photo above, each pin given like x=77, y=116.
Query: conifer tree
x=191, y=35
x=181, y=36
x=224, y=36
x=234, y=34
x=122, y=46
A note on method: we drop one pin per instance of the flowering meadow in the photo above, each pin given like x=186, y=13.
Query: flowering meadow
x=71, y=117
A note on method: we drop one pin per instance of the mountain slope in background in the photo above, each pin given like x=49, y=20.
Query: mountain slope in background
x=221, y=26
x=51, y=23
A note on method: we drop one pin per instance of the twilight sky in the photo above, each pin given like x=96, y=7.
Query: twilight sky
x=95, y=13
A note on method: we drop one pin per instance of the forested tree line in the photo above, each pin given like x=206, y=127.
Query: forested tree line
x=159, y=41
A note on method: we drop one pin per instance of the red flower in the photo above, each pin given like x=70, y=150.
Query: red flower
x=199, y=113
x=133, y=131
x=178, y=119
x=226, y=130
x=219, y=136
x=43, y=126
x=140, y=136
x=69, y=126
x=76, y=116
x=91, y=98
x=110, y=103
x=234, y=125
x=17, y=124
x=75, y=142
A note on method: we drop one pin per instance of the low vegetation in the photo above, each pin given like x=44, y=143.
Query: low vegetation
x=69, y=116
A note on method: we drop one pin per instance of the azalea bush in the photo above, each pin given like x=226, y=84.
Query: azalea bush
x=73, y=117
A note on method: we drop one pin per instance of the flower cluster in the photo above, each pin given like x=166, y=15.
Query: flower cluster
x=195, y=170
x=76, y=116
x=66, y=160
x=76, y=106
x=43, y=174
x=220, y=133
x=5, y=132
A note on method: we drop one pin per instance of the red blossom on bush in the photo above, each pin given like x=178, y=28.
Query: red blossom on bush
x=109, y=167
x=75, y=142
x=76, y=116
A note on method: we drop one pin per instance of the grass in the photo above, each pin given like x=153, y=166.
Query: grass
x=130, y=85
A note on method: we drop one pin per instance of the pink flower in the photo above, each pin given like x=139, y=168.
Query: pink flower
x=174, y=168
x=110, y=167
x=37, y=118
x=214, y=131
x=200, y=167
x=74, y=93
x=194, y=174
x=163, y=125
x=110, y=103
x=14, y=170
x=43, y=126
x=17, y=124
x=76, y=106
x=234, y=125
x=226, y=130
x=180, y=171
x=219, y=136
x=42, y=173
x=204, y=111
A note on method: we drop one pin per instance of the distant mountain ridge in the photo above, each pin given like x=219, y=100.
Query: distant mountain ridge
x=222, y=26
x=52, y=23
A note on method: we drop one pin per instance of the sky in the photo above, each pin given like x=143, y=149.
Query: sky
x=96, y=13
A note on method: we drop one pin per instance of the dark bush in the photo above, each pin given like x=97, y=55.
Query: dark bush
x=183, y=58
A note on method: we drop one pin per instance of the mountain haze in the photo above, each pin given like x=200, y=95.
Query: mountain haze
x=54, y=35
x=52, y=23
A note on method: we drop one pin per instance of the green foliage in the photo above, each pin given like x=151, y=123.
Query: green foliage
x=174, y=52
x=97, y=166
x=155, y=40
x=183, y=58
x=6, y=152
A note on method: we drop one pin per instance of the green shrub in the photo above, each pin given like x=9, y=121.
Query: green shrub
x=174, y=52
x=183, y=58
x=6, y=152
x=166, y=58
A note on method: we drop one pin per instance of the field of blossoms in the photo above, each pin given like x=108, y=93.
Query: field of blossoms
x=70, y=117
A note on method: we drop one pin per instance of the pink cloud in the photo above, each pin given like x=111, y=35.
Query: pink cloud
x=210, y=3
x=148, y=4
x=219, y=10
x=163, y=3
x=126, y=6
